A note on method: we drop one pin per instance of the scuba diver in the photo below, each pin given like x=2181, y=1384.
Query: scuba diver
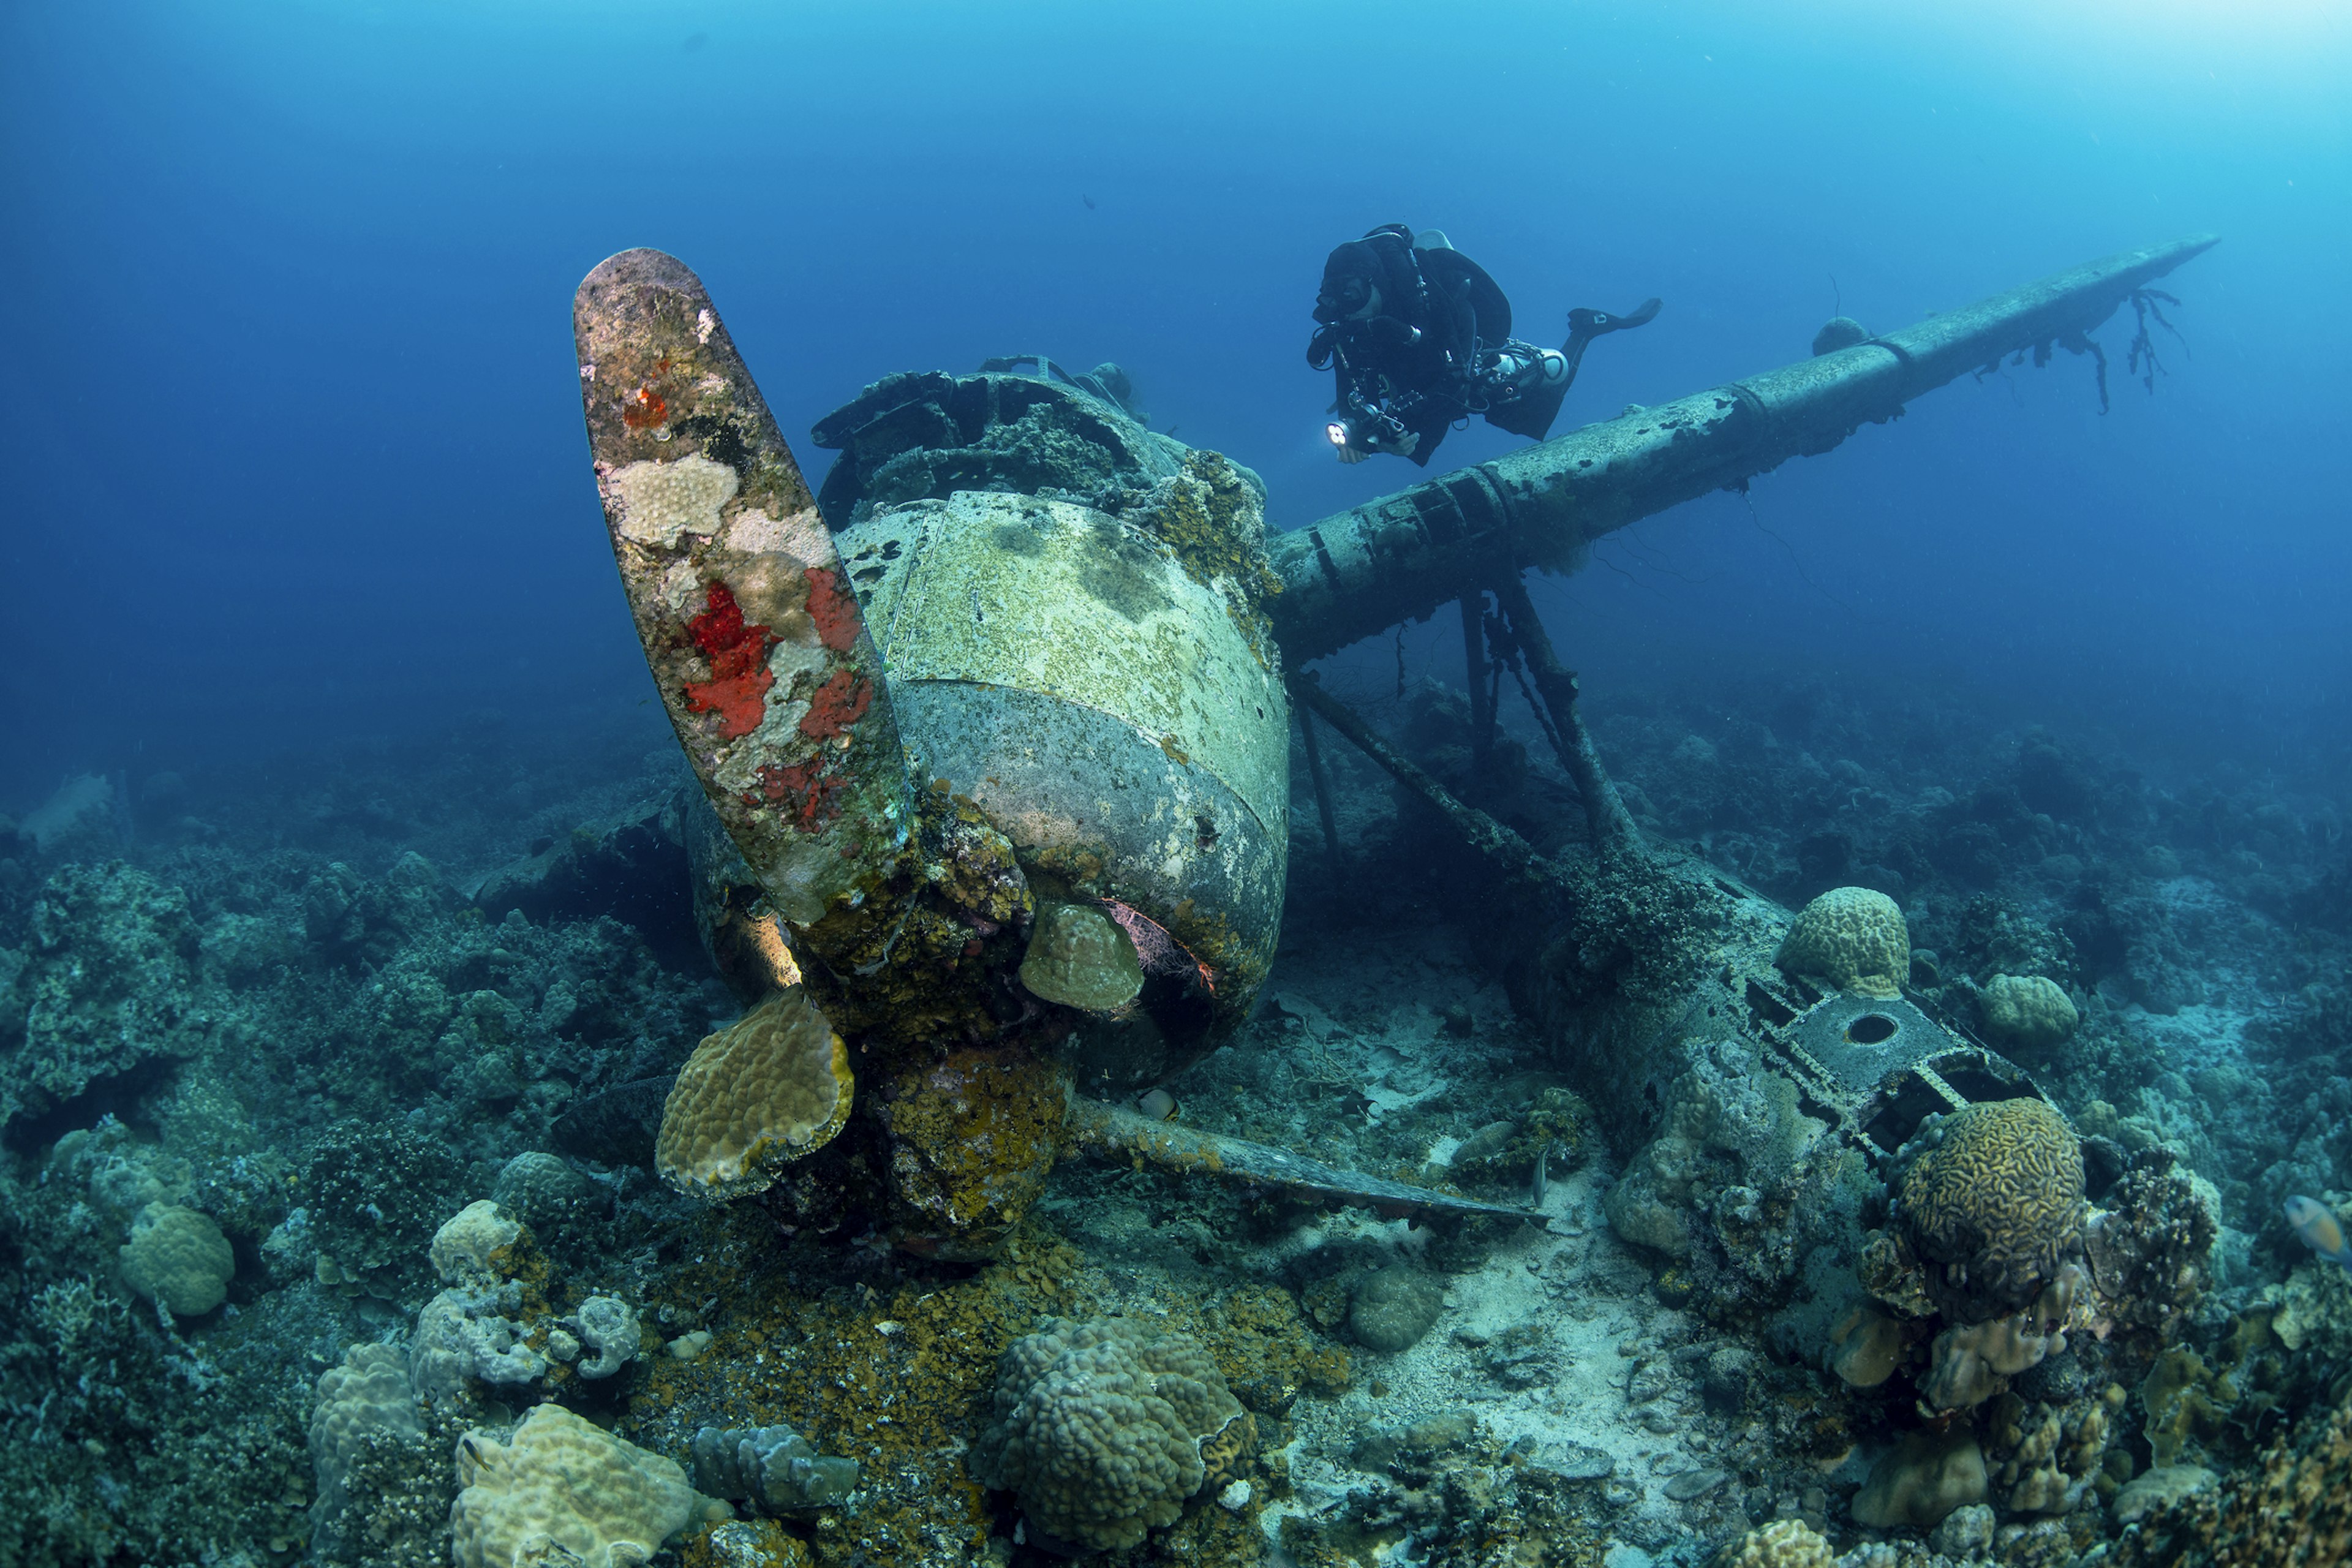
x=1418, y=337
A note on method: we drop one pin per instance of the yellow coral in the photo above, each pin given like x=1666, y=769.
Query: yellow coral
x=1784, y=1543
x=1994, y=1198
x=1852, y=938
x=473, y=1242
x=972, y=1138
x=562, y=1481
x=759, y=1094
x=1213, y=523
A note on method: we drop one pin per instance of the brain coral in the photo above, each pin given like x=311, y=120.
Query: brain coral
x=1394, y=1308
x=1991, y=1196
x=1853, y=938
x=563, y=1483
x=2028, y=1010
x=753, y=1098
x=1100, y=1429
x=177, y=1259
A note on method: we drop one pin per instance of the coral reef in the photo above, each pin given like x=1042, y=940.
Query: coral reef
x=1104, y=1431
x=2293, y=1508
x=107, y=989
x=273, y=1013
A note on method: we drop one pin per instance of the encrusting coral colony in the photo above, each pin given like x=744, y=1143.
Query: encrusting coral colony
x=944, y=1125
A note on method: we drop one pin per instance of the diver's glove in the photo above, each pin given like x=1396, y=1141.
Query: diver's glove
x=1403, y=446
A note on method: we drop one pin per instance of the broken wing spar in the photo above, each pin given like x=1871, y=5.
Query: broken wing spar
x=1358, y=571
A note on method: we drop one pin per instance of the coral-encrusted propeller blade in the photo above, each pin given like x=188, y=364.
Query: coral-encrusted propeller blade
x=751, y=630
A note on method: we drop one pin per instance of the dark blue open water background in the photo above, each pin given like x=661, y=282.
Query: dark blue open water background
x=291, y=428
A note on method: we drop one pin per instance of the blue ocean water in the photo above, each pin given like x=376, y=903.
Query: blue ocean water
x=297, y=453
x=1904, y=1120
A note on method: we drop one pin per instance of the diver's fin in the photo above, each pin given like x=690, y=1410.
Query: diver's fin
x=1533, y=414
x=751, y=630
x=1587, y=324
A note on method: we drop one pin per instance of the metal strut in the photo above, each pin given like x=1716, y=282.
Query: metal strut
x=1508, y=853
x=1611, y=826
x=1321, y=777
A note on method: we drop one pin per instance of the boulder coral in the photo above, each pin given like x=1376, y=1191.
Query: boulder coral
x=361, y=1403
x=177, y=1259
x=561, y=1489
x=1394, y=1308
x=473, y=1244
x=1078, y=957
x=1869, y=1346
x=2027, y=1010
x=773, y=1466
x=1104, y=1429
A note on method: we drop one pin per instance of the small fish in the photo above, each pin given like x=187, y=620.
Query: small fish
x=2317, y=1224
x=1088, y=200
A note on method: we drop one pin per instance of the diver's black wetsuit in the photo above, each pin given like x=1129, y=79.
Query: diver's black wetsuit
x=1420, y=337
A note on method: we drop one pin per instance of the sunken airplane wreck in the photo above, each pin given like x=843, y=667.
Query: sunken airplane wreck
x=993, y=737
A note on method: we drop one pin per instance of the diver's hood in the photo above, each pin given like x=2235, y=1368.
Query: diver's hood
x=1348, y=278
x=1382, y=260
